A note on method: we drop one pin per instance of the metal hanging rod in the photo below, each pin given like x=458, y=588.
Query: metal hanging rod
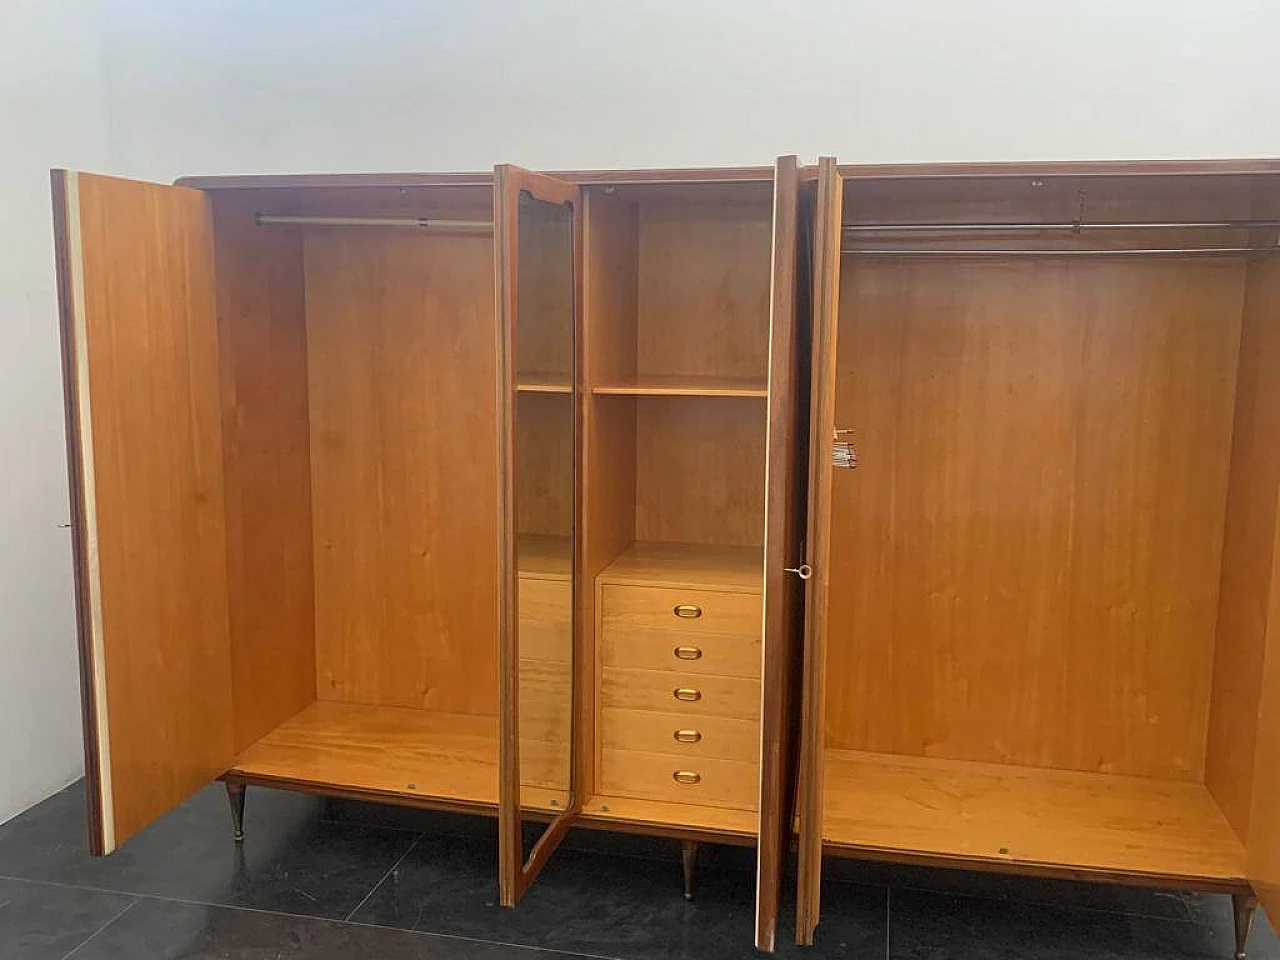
x=1073, y=226
x=419, y=223
x=957, y=254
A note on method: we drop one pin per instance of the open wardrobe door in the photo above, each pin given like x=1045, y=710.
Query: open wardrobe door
x=785, y=571
x=537, y=230
x=824, y=447
x=140, y=363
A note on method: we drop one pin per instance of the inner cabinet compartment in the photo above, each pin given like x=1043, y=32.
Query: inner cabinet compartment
x=361, y=458
x=1050, y=569
x=677, y=314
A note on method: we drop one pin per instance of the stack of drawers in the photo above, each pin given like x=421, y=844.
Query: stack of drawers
x=679, y=694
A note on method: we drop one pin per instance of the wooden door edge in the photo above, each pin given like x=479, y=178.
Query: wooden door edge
x=514, y=874
x=826, y=282
x=68, y=255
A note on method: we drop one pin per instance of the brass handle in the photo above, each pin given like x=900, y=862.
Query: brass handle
x=688, y=653
x=687, y=693
x=687, y=611
x=687, y=736
x=686, y=776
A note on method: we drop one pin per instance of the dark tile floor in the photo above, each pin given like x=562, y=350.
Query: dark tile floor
x=323, y=879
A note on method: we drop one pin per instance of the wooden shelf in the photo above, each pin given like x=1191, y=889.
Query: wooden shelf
x=543, y=383
x=397, y=752
x=708, y=566
x=544, y=557
x=677, y=386
x=659, y=816
x=1052, y=820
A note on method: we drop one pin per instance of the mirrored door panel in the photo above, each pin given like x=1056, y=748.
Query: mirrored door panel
x=535, y=237
x=544, y=490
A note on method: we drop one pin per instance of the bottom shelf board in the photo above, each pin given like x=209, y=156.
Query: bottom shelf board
x=399, y=753
x=1051, y=820
x=660, y=817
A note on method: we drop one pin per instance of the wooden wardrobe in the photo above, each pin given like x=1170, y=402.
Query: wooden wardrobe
x=461, y=491
x=1043, y=635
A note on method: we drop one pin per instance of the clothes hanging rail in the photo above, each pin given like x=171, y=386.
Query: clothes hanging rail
x=978, y=253
x=1068, y=226
x=479, y=227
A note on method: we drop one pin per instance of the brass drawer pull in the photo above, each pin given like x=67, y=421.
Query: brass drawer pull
x=687, y=736
x=688, y=653
x=686, y=776
x=687, y=611
x=687, y=693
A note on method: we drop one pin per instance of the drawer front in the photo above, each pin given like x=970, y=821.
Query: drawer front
x=691, y=612
x=684, y=694
x=545, y=609
x=723, y=655
x=683, y=737
x=546, y=702
x=647, y=776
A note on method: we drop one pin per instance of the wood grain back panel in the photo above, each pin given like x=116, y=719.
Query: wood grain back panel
x=545, y=341
x=1248, y=551
x=700, y=469
x=1025, y=564
x=544, y=463
x=404, y=474
x=703, y=289
x=266, y=445
x=145, y=348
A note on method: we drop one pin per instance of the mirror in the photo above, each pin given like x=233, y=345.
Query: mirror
x=544, y=435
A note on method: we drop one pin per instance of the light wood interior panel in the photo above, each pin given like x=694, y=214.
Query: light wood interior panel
x=398, y=752
x=145, y=346
x=704, y=272
x=400, y=340
x=608, y=507
x=1025, y=564
x=610, y=288
x=262, y=333
x=544, y=463
x=699, y=470
x=1248, y=550
x=1027, y=817
x=544, y=342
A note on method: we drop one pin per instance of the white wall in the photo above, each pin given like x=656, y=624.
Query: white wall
x=311, y=85
x=51, y=114
x=225, y=86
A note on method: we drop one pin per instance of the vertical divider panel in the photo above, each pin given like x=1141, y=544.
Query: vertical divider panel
x=826, y=311
x=608, y=452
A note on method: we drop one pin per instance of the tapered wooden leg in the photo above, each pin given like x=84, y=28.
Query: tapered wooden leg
x=1245, y=904
x=689, y=855
x=235, y=796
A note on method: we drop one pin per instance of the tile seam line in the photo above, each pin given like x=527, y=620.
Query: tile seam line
x=383, y=879
x=119, y=913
